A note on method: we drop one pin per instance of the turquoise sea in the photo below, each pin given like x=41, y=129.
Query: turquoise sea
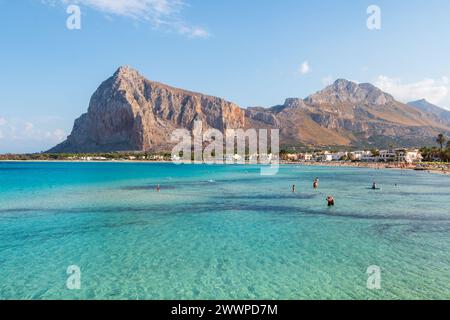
x=221, y=232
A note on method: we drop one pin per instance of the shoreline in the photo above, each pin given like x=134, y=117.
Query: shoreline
x=423, y=167
x=420, y=167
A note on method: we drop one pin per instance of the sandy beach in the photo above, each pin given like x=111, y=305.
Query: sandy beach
x=426, y=167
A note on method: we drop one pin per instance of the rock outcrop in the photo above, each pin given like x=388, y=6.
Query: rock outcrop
x=131, y=113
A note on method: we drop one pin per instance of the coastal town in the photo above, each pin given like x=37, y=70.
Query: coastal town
x=423, y=159
x=435, y=158
x=403, y=155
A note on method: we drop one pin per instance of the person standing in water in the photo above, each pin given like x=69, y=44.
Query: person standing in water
x=316, y=183
x=330, y=201
x=293, y=188
x=158, y=188
x=374, y=185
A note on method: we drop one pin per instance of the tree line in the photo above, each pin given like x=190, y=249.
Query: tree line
x=441, y=152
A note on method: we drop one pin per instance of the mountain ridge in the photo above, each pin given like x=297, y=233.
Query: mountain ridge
x=131, y=113
x=442, y=115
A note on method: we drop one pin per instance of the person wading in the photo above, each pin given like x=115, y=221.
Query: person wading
x=330, y=201
x=316, y=183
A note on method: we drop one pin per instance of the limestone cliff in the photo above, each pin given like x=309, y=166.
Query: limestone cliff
x=131, y=113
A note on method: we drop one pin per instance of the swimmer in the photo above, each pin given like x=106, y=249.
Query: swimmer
x=330, y=201
x=374, y=185
x=316, y=183
x=293, y=188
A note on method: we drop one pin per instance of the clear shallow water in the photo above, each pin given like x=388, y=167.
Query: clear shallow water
x=221, y=232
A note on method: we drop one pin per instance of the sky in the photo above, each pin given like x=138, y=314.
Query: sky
x=253, y=53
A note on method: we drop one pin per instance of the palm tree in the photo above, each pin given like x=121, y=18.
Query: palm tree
x=441, y=140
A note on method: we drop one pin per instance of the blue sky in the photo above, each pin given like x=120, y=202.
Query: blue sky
x=253, y=52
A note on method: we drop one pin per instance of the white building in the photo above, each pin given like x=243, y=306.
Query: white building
x=337, y=156
x=325, y=157
x=305, y=157
x=292, y=157
x=408, y=155
x=359, y=155
x=369, y=158
x=93, y=158
x=387, y=156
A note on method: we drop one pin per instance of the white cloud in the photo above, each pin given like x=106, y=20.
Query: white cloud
x=16, y=134
x=199, y=33
x=159, y=13
x=435, y=91
x=304, y=68
x=193, y=32
x=156, y=11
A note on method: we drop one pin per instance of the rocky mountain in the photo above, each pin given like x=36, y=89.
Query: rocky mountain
x=130, y=113
x=441, y=115
x=350, y=114
x=347, y=92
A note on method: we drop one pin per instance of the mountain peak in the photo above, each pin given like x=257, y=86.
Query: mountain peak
x=350, y=87
x=425, y=105
x=125, y=78
x=423, y=102
x=345, y=91
x=126, y=72
x=125, y=68
x=343, y=82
